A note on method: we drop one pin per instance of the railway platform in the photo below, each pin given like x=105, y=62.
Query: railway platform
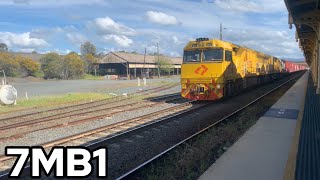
x=271, y=149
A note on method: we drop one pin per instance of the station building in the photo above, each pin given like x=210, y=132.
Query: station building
x=135, y=65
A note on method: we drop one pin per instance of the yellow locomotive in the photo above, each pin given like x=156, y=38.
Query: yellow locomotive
x=213, y=68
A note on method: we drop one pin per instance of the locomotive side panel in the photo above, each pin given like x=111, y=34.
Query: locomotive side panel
x=213, y=69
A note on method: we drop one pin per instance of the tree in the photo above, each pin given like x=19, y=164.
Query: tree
x=28, y=66
x=88, y=48
x=91, y=63
x=164, y=64
x=51, y=65
x=73, y=66
x=3, y=47
x=9, y=64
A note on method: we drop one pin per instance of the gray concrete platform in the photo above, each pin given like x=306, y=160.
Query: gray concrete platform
x=262, y=152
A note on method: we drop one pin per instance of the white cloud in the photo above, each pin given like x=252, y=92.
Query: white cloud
x=275, y=43
x=107, y=25
x=161, y=18
x=122, y=41
x=76, y=38
x=22, y=40
x=52, y=3
x=62, y=52
x=69, y=33
x=239, y=5
x=257, y=6
x=26, y=50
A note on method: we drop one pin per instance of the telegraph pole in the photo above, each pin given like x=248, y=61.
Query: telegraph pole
x=221, y=31
x=158, y=60
x=144, y=62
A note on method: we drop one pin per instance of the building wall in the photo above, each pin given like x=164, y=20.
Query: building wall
x=134, y=71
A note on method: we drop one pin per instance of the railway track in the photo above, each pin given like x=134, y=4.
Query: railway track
x=70, y=118
x=197, y=134
x=109, y=134
x=79, y=107
x=111, y=131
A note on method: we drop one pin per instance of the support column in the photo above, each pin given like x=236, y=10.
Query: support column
x=314, y=66
x=318, y=64
x=135, y=71
x=318, y=59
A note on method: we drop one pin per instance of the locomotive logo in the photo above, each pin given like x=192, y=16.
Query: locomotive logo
x=201, y=70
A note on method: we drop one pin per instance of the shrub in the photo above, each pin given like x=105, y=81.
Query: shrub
x=9, y=64
x=28, y=66
x=73, y=66
x=51, y=65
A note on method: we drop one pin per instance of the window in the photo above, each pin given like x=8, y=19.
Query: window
x=213, y=55
x=228, y=55
x=191, y=56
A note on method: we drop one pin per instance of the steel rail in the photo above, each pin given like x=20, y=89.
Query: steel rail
x=107, y=100
x=112, y=126
x=69, y=113
x=204, y=130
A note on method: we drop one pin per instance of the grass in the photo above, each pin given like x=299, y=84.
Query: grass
x=92, y=77
x=49, y=101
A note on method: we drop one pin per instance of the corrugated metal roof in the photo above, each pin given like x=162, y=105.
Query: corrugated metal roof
x=123, y=57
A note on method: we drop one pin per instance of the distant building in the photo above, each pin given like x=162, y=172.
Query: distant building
x=133, y=65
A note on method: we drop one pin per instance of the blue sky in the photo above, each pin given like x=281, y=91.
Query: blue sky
x=132, y=25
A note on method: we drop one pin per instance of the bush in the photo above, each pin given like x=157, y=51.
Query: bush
x=28, y=66
x=73, y=66
x=51, y=65
x=9, y=64
x=90, y=62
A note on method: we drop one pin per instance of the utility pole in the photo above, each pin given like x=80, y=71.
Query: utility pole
x=158, y=60
x=144, y=62
x=221, y=31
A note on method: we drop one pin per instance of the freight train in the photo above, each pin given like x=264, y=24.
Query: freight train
x=213, y=69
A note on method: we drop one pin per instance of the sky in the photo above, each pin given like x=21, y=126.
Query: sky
x=133, y=25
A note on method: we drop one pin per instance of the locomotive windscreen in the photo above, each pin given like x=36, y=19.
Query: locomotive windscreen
x=213, y=55
x=191, y=56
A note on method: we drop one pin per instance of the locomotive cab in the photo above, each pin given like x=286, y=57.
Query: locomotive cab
x=204, y=67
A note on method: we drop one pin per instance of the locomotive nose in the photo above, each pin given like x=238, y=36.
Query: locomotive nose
x=199, y=89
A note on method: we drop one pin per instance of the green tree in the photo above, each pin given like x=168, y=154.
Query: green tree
x=73, y=66
x=164, y=64
x=88, y=48
x=3, y=47
x=51, y=65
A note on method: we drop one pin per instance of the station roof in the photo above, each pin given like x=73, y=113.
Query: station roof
x=124, y=57
x=305, y=15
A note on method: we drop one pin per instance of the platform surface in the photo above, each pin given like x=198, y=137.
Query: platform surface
x=262, y=152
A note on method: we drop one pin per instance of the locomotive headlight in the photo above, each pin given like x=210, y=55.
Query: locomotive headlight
x=218, y=86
